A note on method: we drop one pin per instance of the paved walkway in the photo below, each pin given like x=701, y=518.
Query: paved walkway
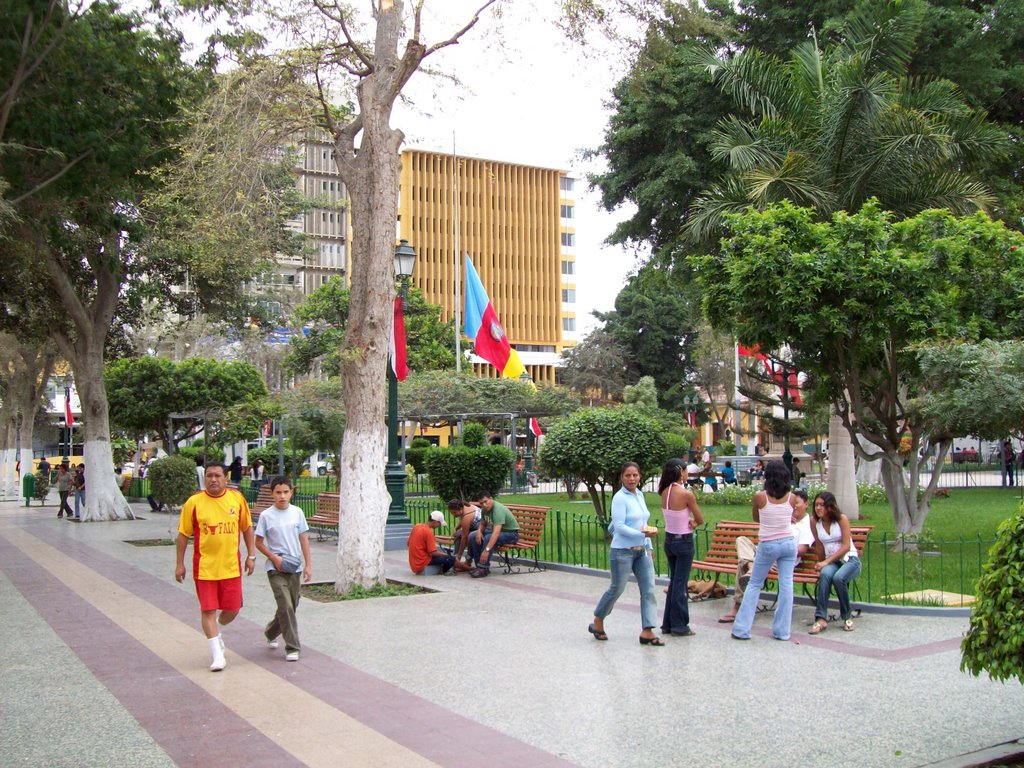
x=104, y=664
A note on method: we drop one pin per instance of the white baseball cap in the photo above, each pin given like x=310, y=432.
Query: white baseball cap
x=439, y=517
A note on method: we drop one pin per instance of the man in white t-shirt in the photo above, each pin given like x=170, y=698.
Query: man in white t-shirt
x=745, y=549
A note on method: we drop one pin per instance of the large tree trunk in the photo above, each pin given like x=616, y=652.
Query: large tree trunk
x=842, y=479
x=8, y=475
x=868, y=472
x=103, y=497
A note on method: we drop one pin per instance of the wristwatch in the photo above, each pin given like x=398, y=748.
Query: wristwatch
x=251, y=557
x=487, y=549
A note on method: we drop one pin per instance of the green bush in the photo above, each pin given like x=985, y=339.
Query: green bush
x=416, y=453
x=725, y=448
x=995, y=640
x=678, y=445
x=42, y=485
x=209, y=455
x=474, y=435
x=460, y=472
x=269, y=457
x=172, y=479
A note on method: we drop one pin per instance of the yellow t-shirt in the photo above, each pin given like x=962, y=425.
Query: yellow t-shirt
x=216, y=522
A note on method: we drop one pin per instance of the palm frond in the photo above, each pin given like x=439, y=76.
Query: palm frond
x=739, y=143
x=945, y=189
x=795, y=179
x=756, y=81
x=706, y=218
x=884, y=33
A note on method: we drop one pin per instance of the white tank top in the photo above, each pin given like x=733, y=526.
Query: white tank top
x=833, y=540
x=776, y=520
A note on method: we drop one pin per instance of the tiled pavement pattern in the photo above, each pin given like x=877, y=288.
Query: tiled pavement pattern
x=104, y=664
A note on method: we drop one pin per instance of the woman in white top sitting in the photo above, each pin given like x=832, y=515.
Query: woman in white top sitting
x=838, y=564
x=681, y=512
x=773, y=510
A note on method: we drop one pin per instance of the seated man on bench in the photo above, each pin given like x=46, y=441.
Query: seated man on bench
x=728, y=474
x=423, y=550
x=745, y=549
x=498, y=527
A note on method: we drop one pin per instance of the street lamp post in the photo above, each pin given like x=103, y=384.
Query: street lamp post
x=528, y=459
x=394, y=473
x=67, y=409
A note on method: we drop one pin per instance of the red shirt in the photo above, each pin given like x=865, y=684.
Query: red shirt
x=421, y=544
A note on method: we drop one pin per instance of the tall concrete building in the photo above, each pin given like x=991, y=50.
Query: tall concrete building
x=517, y=223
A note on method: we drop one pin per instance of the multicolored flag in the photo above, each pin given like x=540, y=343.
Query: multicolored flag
x=535, y=429
x=397, y=355
x=482, y=326
x=788, y=382
x=69, y=418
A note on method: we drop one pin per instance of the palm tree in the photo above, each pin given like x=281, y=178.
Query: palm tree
x=832, y=128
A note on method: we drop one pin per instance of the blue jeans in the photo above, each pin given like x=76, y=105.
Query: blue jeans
x=679, y=550
x=475, y=550
x=782, y=552
x=79, y=499
x=622, y=562
x=836, y=576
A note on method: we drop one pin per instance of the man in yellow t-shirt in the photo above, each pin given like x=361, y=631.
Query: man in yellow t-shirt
x=215, y=517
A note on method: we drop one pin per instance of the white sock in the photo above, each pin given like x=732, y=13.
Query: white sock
x=216, y=646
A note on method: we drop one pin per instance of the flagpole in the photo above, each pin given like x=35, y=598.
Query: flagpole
x=458, y=265
x=737, y=426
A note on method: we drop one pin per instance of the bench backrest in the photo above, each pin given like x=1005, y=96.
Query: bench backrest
x=531, y=521
x=723, y=542
x=327, y=504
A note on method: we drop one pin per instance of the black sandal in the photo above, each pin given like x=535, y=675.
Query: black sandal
x=597, y=633
x=651, y=641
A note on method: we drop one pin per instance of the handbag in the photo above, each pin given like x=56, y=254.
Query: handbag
x=290, y=564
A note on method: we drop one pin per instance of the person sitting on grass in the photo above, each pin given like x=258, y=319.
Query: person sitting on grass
x=282, y=534
x=422, y=545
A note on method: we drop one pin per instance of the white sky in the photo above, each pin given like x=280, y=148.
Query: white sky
x=527, y=95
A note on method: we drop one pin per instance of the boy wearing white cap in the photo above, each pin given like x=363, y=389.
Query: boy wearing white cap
x=423, y=549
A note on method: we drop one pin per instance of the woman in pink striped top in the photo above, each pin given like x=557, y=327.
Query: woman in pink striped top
x=773, y=510
x=679, y=506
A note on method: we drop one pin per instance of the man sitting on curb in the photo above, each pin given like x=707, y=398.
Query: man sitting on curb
x=423, y=549
x=745, y=550
x=501, y=528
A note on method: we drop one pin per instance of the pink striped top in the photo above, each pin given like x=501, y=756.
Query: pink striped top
x=776, y=520
x=676, y=520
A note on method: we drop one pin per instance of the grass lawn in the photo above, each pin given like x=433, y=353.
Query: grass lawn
x=957, y=535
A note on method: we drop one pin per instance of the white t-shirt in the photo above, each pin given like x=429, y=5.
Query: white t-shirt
x=802, y=531
x=280, y=529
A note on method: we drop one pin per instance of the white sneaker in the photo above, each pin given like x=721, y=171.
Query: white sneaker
x=272, y=643
x=219, y=662
x=292, y=656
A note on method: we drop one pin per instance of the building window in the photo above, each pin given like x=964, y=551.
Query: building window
x=568, y=295
x=567, y=211
x=569, y=324
x=568, y=239
x=568, y=267
x=567, y=184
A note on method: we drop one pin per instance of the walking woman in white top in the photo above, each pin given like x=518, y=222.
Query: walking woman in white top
x=838, y=564
x=773, y=511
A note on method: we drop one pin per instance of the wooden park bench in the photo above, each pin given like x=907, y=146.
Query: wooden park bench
x=324, y=519
x=264, y=499
x=526, y=551
x=721, y=555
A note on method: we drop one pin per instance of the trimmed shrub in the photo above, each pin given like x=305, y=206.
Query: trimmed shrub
x=460, y=472
x=474, y=434
x=172, y=479
x=995, y=640
x=416, y=454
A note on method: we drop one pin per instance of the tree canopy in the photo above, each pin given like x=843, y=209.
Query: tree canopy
x=323, y=315
x=852, y=298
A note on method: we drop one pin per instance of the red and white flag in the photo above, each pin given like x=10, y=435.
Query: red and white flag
x=69, y=418
x=398, y=361
x=535, y=429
